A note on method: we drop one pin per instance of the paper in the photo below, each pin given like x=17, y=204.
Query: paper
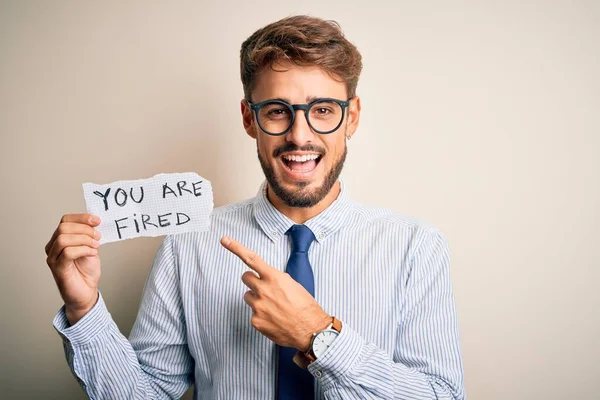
x=162, y=205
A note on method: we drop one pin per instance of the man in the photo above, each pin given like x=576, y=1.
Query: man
x=320, y=298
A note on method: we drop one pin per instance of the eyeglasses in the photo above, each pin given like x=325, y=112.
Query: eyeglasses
x=276, y=117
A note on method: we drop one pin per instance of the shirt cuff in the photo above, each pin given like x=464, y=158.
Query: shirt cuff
x=86, y=329
x=343, y=354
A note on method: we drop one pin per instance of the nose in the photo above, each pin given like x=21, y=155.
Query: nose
x=300, y=133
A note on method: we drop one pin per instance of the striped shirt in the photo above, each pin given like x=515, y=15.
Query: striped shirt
x=385, y=276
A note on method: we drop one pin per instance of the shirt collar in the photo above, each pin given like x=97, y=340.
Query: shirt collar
x=275, y=224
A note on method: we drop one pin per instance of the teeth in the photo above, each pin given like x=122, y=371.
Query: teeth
x=303, y=158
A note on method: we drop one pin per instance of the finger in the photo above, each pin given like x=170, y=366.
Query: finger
x=251, y=280
x=86, y=219
x=250, y=298
x=72, y=228
x=249, y=257
x=73, y=253
x=67, y=240
x=89, y=219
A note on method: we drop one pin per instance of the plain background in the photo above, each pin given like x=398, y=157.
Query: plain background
x=480, y=117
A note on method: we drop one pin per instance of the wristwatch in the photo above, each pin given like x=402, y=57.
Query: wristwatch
x=319, y=342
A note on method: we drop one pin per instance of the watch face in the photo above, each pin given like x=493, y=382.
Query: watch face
x=322, y=341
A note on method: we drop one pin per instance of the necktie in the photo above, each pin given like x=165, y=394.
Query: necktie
x=294, y=382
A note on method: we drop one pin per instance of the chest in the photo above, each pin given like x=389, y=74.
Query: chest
x=358, y=281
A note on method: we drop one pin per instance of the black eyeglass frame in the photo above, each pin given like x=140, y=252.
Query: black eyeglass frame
x=306, y=107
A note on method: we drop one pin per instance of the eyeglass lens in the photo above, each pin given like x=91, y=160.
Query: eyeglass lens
x=323, y=116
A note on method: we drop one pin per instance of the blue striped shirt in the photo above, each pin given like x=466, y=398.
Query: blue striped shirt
x=385, y=276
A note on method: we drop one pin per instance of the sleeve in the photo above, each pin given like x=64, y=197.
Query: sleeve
x=154, y=364
x=426, y=362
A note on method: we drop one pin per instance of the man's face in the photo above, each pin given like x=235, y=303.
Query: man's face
x=301, y=166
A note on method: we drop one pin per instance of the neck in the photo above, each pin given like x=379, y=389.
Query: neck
x=301, y=215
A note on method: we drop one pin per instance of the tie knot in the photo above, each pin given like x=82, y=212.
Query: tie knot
x=302, y=237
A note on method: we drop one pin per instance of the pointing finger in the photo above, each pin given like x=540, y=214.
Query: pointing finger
x=249, y=257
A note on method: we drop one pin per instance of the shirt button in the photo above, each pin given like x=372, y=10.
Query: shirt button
x=321, y=235
x=318, y=373
x=275, y=233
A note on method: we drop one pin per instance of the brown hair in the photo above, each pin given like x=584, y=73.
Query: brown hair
x=304, y=41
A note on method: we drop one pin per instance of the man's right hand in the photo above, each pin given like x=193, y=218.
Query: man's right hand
x=73, y=259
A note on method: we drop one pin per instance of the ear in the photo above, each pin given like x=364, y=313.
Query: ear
x=353, y=116
x=248, y=119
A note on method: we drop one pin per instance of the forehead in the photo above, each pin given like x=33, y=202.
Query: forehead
x=296, y=84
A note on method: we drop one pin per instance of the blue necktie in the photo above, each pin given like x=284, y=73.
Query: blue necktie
x=294, y=382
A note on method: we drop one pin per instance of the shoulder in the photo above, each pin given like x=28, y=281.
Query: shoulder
x=395, y=224
x=388, y=217
x=239, y=211
x=224, y=220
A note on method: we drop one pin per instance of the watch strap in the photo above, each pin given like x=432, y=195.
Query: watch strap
x=336, y=324
x=303, y=359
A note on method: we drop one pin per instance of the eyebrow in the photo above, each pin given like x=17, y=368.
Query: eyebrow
x=309, y=99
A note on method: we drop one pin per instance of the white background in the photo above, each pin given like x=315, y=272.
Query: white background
x=480, y=117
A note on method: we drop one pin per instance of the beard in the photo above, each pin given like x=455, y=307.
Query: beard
x=301, y=196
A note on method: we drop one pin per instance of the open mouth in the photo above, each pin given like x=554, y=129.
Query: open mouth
x=304, y=163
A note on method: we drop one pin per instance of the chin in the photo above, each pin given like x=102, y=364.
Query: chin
x=302, y=190
x=299, y=193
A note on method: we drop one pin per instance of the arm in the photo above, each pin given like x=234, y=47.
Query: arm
x=154, y=364
x=426, y=363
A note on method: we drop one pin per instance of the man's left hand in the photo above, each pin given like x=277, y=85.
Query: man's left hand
x=282, y=309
